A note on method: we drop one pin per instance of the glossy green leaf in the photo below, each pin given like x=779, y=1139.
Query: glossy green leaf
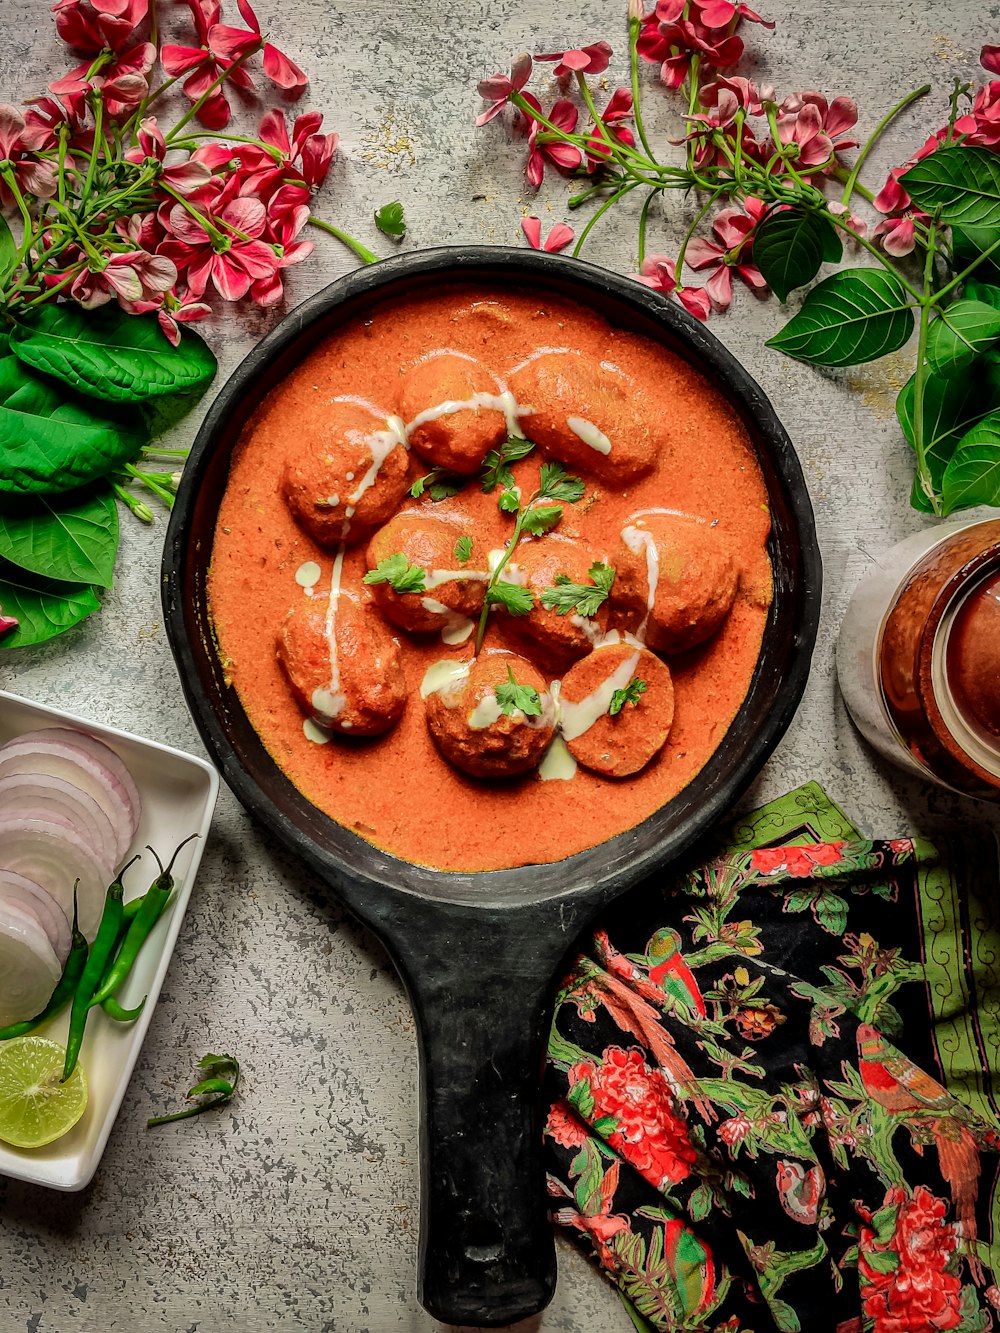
x=790, y=245
x=960, y=185
x=43, y=608
x=969, y=244
x=52, y=441
x=960, y=331
x=110, y=355
x=982, y=291
x=390, y=220
x=73, y=537
x=972, y=477
x=953, y=404
x=8, y=248
x=856, y=315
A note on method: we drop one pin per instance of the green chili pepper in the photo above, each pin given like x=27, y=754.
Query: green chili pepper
x=90, y=979
x=153, y=903
x=131, y=909
x=114, y=1010
x=64, y=991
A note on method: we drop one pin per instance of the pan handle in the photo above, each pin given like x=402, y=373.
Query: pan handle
x=481, y=982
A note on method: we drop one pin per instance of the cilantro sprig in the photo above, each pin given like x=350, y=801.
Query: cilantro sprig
x=222, y=1074
x=496, y=464
x=629, y=695
x=438, y=483
x=463, y=549
x=533, y=519
x=583, y=598
x=511, y=696
x=397, y=571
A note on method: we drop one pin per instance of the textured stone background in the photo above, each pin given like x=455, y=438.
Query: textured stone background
x=298, y=1209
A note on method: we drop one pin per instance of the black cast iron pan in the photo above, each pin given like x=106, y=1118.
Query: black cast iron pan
x=478, y=952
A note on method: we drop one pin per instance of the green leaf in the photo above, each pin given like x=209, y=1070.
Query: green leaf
x=43, y=607
x=972, y=477
x=72, y=537
x=496, y=470
x=790, y=245
x=52, y=441
x=390, y=221
x=112, y=356
x=397, y=571
x=631, y=694
x=982, y=291
x=968, y=245
x=952, y=405
x=856, y=315
x=8, y=249
x=960, y=185
x=511, y=696
x=508, y=502
x=959, y=332
x=512, y=597
x=463, y=549
x=555, y=483
x=542, y=519
x=582, y=598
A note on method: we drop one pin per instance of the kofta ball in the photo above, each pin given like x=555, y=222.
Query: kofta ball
x=354, y=685
x=689, y=568
x=342, y=486
x=452, y=588
x=554, y=639
x=585, y=413
x=619, y=744
x=453, y=409
x=474, y=733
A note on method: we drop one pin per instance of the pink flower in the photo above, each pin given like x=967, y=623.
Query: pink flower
x=982, y=124
x=282, y=72
x=720, y=13
x=221, y=47
x=7, y=623
x=853, y=221
x=497, y=88
x=96, y=25
x=618, y=110
x=899, y=234
x=592, y=59
x=989, y=58
x=814, y=128
x=45, y=116
x=31, y=175
x=558, y=238
x=747, y=94
x=185, y=177
x=132, y=276
x=686, y=39
x=233, y=264
x=731, y=252
x=734, y=1130
x=563, y=1126
x=658, y=273
x=565, y=156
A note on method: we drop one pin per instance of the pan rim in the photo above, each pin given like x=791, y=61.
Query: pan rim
x=382, y=870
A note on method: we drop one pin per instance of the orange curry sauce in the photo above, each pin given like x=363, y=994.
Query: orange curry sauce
x=396, y=790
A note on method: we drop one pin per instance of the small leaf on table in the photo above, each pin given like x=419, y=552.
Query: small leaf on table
x=52, y=441
x=790, y=245
x=960, y=185
x=959, y=332
x=390, y=220
x=972, y=477
x=110, y=355
x=72, y=537
x=856, y=315
x=43, y=608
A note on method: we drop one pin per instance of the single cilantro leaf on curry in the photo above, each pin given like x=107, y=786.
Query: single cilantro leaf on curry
x=463, y=549
x=398, y=573
x=511, y=596
x=582, y=598
x=438, y=483
x=496, y=464
x=629, y=695
x=512, y=696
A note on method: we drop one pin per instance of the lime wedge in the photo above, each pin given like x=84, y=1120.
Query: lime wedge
x=35, y=1107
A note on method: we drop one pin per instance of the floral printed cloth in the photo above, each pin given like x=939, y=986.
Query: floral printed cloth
x=772, y=1086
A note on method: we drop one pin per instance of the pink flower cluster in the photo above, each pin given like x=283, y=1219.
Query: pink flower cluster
x=978, y=128
x=210, y=218
x=670, y=40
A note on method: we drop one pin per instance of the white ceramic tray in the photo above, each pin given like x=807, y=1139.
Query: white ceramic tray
x=178, y=797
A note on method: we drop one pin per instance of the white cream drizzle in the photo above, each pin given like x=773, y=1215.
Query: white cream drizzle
x=331, y=702
x=576, y=718
x=557, y=762
x=445, y=677
x=504, y=402
x=315, y=733
x=457, y=629
x=308, y=574
x=433, y=578
x=590, y=627
x=381, y=443
x=487, y=711
x=639, y=540
x=590, y=434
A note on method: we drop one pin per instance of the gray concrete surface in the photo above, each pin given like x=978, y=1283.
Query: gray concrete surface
x=297, y=1209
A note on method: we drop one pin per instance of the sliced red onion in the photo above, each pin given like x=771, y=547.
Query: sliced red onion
x=56, y=857
x=28, y=965
x=19, y=891
x=38, y=753
x=21, y=792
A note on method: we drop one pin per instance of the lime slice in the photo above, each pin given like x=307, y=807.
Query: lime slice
x=35, y=1107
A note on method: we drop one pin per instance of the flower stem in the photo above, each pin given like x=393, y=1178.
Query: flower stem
x=95, y=151
x=619, y=194
x=151, y=481
x=141, y=511
x=965, y=273
x=886, y=120
x=643, y=222
x=212, y=87
x=634, y=28
x=682, y=252
x=924, y=476
x=362, y=251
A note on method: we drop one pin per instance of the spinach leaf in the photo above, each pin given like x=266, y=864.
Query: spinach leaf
x=72, y=537
x=109, y=355
x=790, y=245
x=51, y=441
x=8, y=248
x=960, y=185
x=855, y=315
x=43, y=607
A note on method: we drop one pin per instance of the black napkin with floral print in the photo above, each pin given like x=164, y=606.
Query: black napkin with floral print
x=772, y=1085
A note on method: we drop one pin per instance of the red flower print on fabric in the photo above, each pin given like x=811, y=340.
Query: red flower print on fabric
x=919, y=1293
x=800, y=862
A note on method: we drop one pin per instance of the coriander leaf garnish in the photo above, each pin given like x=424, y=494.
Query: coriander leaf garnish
x=496, y=464
x=556, y=484
x=509, y=502
x=510, y=696
x=512, y=597
x=629, y=695
x=542, y=519
x=463, y=549
x=390, y=221
x=438, y=483
x=583, y=598
x=398, y=573
x=222, y=1074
